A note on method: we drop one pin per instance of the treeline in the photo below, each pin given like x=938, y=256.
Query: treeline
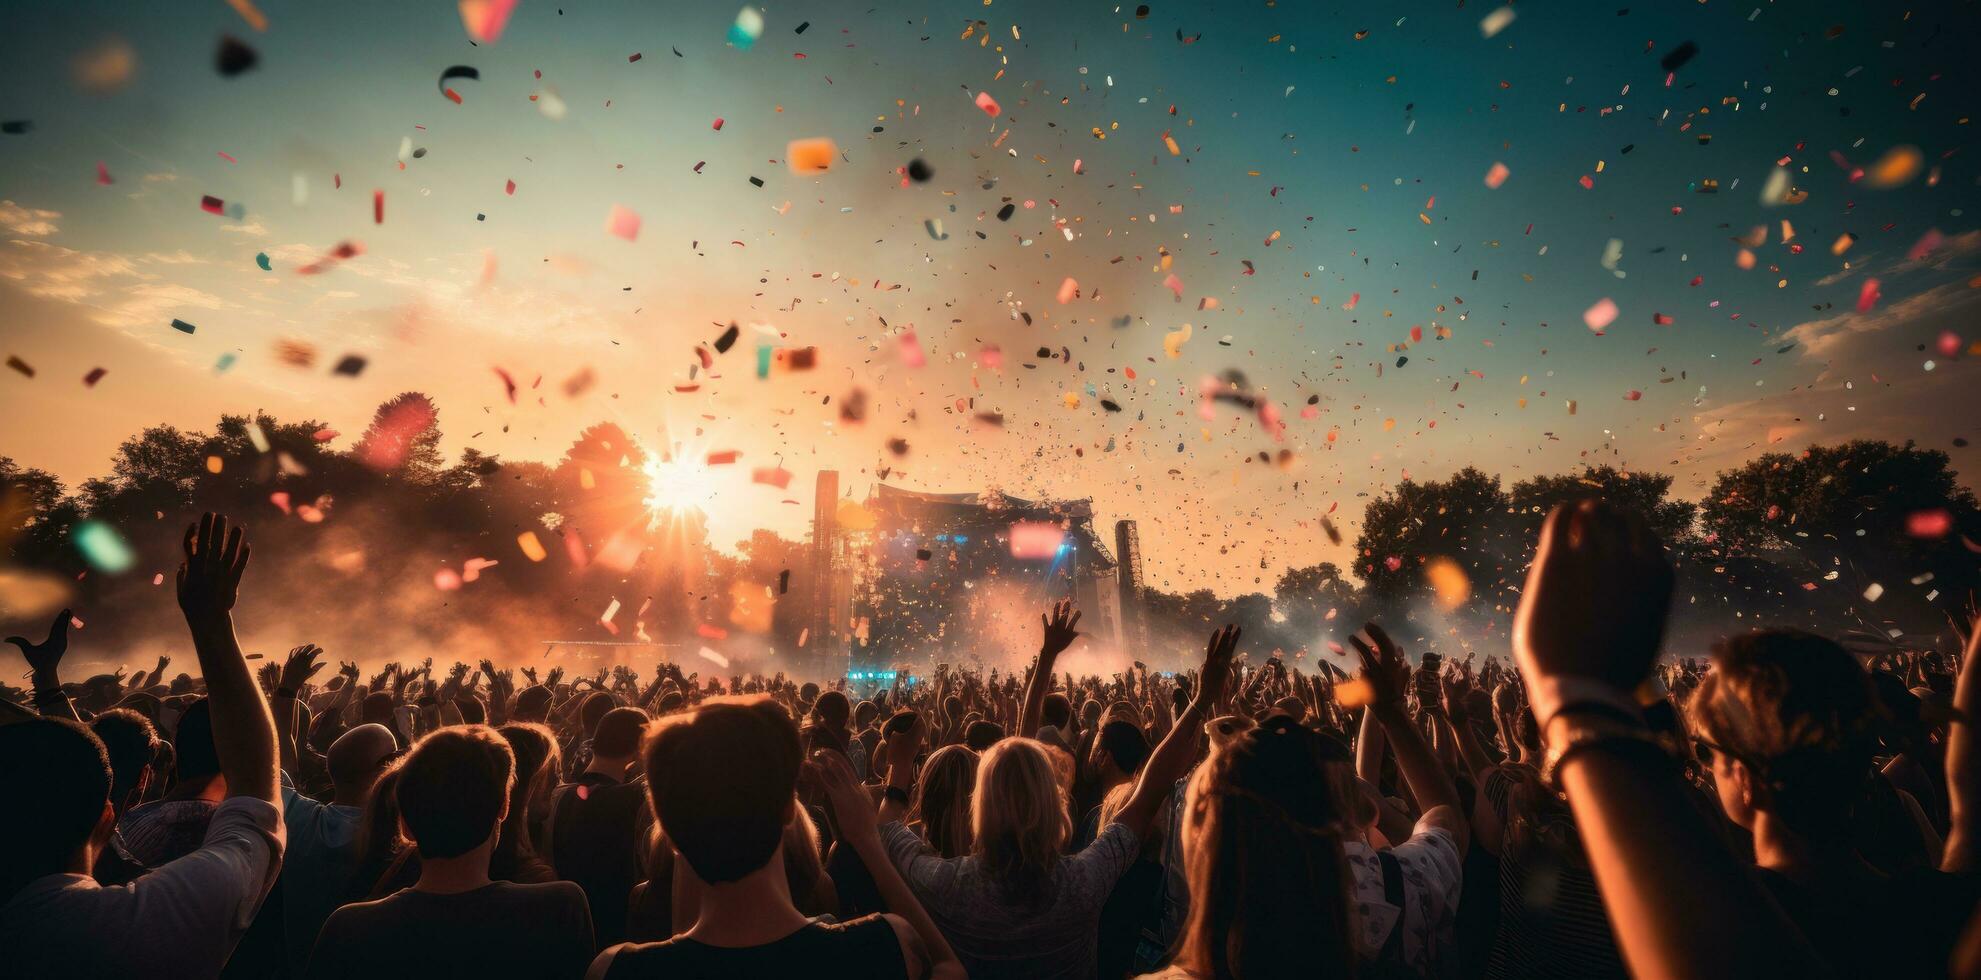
x=384, y=550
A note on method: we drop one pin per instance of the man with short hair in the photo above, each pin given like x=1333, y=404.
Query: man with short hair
x=598, y=822
x=185, y=916
x=131, y=744
x=453, y=792
x=723, y=780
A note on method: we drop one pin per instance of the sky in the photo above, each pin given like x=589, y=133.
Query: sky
x=1322, y=237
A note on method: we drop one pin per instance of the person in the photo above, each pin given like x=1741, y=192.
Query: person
x=185, y=916
x=598, y=822
x=1015, y=906
x=1116, y=755
x=132, y=744
x=537, y=765
x=1270, y=885
x=1788, y=720
x=940, y=811
x=323, y=857
x=1590, y=622
x=154, y=833
x=723, y=782
x=453, y=793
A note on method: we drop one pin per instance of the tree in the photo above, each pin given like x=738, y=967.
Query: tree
x=1644, y=493
x=1847, y=518
x=403, y=438
x=1305, y=596
x=1464, y=519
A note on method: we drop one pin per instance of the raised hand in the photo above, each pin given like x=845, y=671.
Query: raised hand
x=852, y=808
x=1384, y=667
x=556, y=674
x=1593, y=613
x=210, y=577
x=902, y=746
x=530, y=674
x=299, y=668
x=158, y=673
x=43, y=658
x=1059, y=628
x=1218, y=653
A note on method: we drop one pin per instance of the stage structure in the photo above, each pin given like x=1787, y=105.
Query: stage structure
x=905, y=578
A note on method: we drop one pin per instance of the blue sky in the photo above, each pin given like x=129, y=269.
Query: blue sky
x=1378, y=153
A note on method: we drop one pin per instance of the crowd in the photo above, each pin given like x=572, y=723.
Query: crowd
x=1583, y=808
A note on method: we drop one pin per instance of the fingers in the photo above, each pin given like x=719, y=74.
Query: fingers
x=1383, y=642
x=1075, y=621
x=20, y=641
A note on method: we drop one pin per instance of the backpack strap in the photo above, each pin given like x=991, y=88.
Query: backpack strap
x=1392, y=951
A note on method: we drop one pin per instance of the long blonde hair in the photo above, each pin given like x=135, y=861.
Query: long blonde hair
x=942, y=800
x=1019, y=819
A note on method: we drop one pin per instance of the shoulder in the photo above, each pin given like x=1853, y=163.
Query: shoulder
x=1116, y=840
x=901, y=939
x=542, y=893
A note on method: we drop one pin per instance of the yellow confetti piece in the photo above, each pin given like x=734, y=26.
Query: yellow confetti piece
x=531, y=547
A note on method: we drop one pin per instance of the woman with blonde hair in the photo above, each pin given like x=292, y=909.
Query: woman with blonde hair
x=1016, y=905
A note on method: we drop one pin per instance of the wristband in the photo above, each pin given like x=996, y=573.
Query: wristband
x=1572, y=732
x=1549, y=695
x=895, y=794
x=286, y=692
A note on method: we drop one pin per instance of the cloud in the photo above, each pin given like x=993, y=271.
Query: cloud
x=1828, y=336
x=27, y=222
x=53, y=272
x=252, y=229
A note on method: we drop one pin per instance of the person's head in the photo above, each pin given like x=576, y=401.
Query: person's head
x=129, y=740
x=356, y=759
x=62, y=813
x=1119, y=750
x=1788, y=719
x=376, y=709
x=1018, y=818
x=472, y=710
x=593, y=710
x=864, y=714
x=454, y=790
x=1057, y=711
x=723, y=780
x=833, y=710
x=981, y=735
x=1263, y=823
x=192, y=745
x=942, y=799
x=532, y=704
x=617, y=739
x=538, y=762
x=378, y=827
x=1090, y=712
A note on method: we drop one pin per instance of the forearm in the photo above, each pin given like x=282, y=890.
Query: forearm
x=1035, y=697
x=1165, y=766
x=49, y=698
x=1680, y=904
x=1470, y=750
x=243, y=732
x=899, y=778
x=1428, y=781
x=285, y=731
x=1369, y=749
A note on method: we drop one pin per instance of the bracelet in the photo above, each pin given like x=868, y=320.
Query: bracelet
x=1589, y=730
x=895, y=794
x=286, y=692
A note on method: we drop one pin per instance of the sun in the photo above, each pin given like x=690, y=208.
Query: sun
x=679, y=483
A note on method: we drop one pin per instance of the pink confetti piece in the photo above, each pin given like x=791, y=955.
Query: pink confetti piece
x=989, y=105
x=911, y=351
x=485, y=20
x=94, y=375
x=1069, y=290
x=1174, y=285
x=1587, y=182
x=509, y=188
x=1600, y=315
x=103, y=175
x=776, y=476
x=378, y=207
x=991, y=356
x=1926, y=245
x=1633, y=395
x=229, y=157
x=1935, y=523
x=1497, y=175
x=718, y=124
x=1353, y=298
x=1868, y=296
x=624, y=222
x=212, y=205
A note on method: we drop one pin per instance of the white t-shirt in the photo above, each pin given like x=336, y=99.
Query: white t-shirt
x=180, y=920
x=1432, y=875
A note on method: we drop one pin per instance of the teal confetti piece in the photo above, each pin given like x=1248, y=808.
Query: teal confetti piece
x=182, y=326
x=261, y=259
x=226, y=361
x=104, y=548
x=763, y=360
x=748, y=27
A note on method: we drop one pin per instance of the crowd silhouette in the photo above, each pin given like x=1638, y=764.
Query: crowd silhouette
x=1587, y=804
